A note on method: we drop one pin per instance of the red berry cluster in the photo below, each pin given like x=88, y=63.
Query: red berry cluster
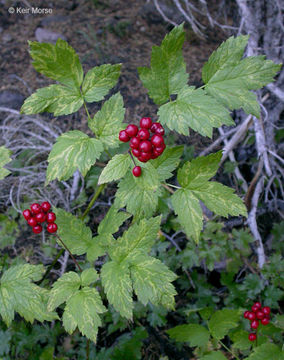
x=143, y=147
x=38, y=215
x=257, y=313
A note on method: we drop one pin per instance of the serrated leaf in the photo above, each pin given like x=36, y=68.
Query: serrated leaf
x=107, y=122
x=220, y=199
x=116, y=168
x=63, y=289
x=19, y=294
x=194, y=109
x=89, y=276
x=214, y=355
x=240, y=339
x=167, y=74
x=99, y=80
x=188, y=210
x=279, y=321
x=118, y=287
x=199, y=170
x=222, y=321
x=74, y=233
x=195, y=334
x=58, y=62
x=56, y=99
x=73, y=150
x=168, y=162
x=82, y=311
x=129, y=345
x=138, y=238
x=229, y=79
x=4, y=159
x=266, y=351
x=152, y=281
x=139, y=195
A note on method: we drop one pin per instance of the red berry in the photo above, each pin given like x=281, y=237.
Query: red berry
x=160, y=130
x=145, y=146
x=251, y=316
x=32, y=221
x=265, y=321
x=50, y=217
x=134, y=143
x=260, y=315
x=155, y=126
x=254, y=324
x=246, y=314
x=252, y=337
x=266, y=310
x=46, y=206
x=136, y=171
x=136, y=152
x=254, y=308
x=40, y=217
x=160, y=149
x=123, y=136
x=144, y=157
x=157, y=140
x=27, y=214
x=132, y=130
x=37, y=229
x=51, y=228
x=35, y=208
x=258, y=304
x=154, y=154
x=145, y=123
x=143, y=134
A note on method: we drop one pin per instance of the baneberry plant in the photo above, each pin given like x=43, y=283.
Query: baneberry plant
x=128, y=268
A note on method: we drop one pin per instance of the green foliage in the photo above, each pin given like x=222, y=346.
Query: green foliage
x=267, y=351
x=195, y=334
x=222, y=321
x=19, y=294
x=214, y=355
x=4, y=159
x=9, y=230
x=115, y=169
x=73, y=150
x=168, y=162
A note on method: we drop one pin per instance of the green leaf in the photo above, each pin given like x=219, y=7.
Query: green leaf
x=56, y=99
x=167, y=74
x=229, y=79
x=139, y=195
x=19, y=294
x=214, y=355
x=222, y=321
x=195, y=334
x=63, y=289
x=99, y=80
x=118, y=287
x=279, y=321
x=188, y=210
x=74, y=233
x=266, y=351
x=82, y=310
x=199, y=170
x=4, y=159
x=73, y=150
x=129, y=345
x=220, y=199
x=89, y=276
x=168, y=162
x=58, y=62
x=240, y=339
x=116, y=168
x=107, y=122
x=152, y=281
x=194, y=109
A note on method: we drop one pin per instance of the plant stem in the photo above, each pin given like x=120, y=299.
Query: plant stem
x=88, y=349
x=64, y=245
x=129, y=152
x=168, y=188
x=87, y=111
x=174, y=186
x=230, y=351
x=91, y=203
x=51, y=266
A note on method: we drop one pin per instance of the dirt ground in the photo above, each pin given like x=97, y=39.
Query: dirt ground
x=108, y=31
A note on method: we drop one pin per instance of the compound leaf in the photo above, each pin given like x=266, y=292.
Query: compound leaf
x=194, y=109
x=99, y=80
x=107, y=122
x=222, y=321
x=58, y=62
x=116, y=168
x=4, y=159
x=168, y=162
x=167, y=74
x=73, y=150
x=195, y=334
x=56, y=99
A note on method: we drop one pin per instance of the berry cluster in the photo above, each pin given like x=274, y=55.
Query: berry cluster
x=142, y=146
x=38, y=215
x=257, y=313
